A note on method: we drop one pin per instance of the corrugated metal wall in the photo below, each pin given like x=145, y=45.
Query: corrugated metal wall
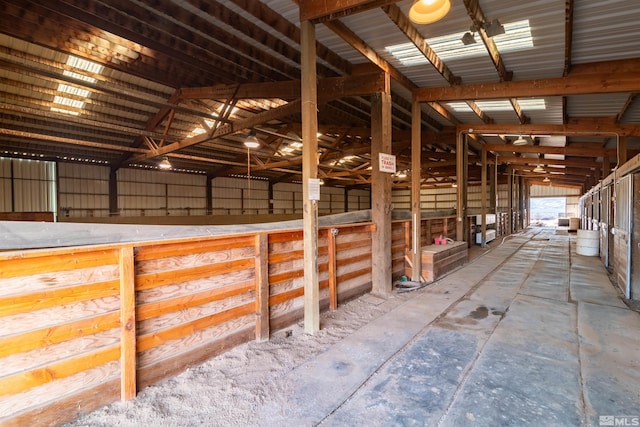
x=236, y=196
x=152, y=193
x=437, y=199
x=553, y=191
x=30, y=186
x=27, y=185
x=83, y=190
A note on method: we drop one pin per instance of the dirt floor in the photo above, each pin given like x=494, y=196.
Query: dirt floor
x=226, y=390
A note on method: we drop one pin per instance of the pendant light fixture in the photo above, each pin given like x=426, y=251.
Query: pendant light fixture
x=520, y=141
x=428, y=11
x=165, y=164
x=539, y=169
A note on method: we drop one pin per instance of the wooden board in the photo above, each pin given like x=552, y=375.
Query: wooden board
x=438, y=260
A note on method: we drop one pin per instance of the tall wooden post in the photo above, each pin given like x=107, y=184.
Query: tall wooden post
x=461, y=190
x=622, y=151
x=510, y=202
x=309, y=170
x=381, y=191
x=416, y=178
x=483, y=198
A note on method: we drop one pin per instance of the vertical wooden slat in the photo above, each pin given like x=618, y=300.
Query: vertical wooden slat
x=333, y=282
x=127, y=324
x=262, y=287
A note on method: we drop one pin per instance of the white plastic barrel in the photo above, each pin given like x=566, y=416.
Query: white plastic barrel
x=588, y=243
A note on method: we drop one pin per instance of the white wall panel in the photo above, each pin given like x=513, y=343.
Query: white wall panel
x=29, y=184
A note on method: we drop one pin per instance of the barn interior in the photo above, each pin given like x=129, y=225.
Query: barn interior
x=180, y=177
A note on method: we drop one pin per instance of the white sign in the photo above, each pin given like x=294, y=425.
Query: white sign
x=387, y=163
x=314, y=189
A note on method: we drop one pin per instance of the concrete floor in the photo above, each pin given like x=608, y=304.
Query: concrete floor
x=529, y=333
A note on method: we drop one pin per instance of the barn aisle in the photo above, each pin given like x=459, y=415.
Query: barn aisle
x=528, y=334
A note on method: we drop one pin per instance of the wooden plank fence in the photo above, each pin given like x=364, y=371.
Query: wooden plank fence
x=81, y=327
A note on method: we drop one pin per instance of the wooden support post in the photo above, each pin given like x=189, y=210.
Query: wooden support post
x=127, y=324
x=510, y=202
x=381, y=272
x=622, y=151
x=332, y=233
x=493, y=188
x=416, y=179
x=309, y=171
x=483, y=199
x=461, y=190
x=262, y=286
x=113, y=193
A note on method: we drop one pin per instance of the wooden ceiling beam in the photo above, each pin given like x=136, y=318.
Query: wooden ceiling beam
x=579, y=127
x=535, y=160
x=328, y=88
x=567, y=151
x=327, y=10
x=292, y=107
x=605, y=77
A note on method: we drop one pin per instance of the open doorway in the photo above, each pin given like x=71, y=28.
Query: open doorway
x=545, y=211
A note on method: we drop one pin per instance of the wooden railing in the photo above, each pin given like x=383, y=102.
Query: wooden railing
x=84, y=326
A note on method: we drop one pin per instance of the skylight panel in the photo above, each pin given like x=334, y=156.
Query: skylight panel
x=517, y=36
x=84, y=65
x=528, y=104
x=68, y=102
x=72, y=90
x=79, y=76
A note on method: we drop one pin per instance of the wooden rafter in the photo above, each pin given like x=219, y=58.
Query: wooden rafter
x=603, y=77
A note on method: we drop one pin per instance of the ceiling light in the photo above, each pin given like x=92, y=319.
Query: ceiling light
x=468, y=39
x=252, y=141
x=546, y=179
x=520, y=141
x=454, y=185
x=428, y=11
x=493, y=28
x=539, y=169
x=165, y=164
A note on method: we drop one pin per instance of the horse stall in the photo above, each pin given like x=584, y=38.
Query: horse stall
x=83, y=326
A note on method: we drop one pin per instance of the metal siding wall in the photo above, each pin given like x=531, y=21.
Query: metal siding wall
x=553, y=191
x=401, y=199
x=359, y=200
x=83, y=190
x=287, y=198
x=155, y=193
x=33, y=185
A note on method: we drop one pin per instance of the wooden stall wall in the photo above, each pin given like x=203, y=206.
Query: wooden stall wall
x=60, y=333
x=81, y=327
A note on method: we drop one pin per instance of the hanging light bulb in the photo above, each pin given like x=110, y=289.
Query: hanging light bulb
x=428, y=11
x=252, y=141
x=165, y=164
